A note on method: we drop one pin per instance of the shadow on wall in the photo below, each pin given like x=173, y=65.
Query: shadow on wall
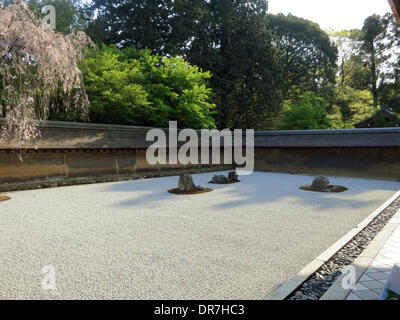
x=258, y=188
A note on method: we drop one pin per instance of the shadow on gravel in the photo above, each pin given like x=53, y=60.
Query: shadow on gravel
x=281, y=187
x=264, y=188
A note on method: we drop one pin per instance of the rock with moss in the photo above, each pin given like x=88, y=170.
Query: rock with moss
x=321, y=183
x=186, y=183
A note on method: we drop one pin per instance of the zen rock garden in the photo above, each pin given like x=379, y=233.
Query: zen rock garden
x=121, y=139
x=187, y=186
x=219, y=243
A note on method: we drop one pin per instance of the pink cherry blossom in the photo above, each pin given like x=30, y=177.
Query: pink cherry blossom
x=34, y=64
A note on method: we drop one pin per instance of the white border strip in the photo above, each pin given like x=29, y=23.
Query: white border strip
x=362, y=263
x=294, y=283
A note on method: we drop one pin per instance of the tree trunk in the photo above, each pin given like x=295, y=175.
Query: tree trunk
x=374, y=85
x=374, y=78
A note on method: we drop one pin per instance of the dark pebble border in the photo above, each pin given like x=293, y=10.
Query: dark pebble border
x=315, y=287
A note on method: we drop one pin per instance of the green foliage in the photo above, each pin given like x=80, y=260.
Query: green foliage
x=352, y=106
x=134, y=87
x=390, y=91
x=383, y=120
x=368, y=74
x=230, y=38
x=377, y=49
x=69, y=13
x=246, y=76
x=233, y=41
x=308, y=113
x=160, y=25
x=257, y=61
x=306, y=55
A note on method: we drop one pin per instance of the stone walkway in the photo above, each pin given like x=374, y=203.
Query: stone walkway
x=374, y=279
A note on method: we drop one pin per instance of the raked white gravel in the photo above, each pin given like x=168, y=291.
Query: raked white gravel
x=133, y=240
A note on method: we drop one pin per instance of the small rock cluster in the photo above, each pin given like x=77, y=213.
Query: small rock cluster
x=320, y=282
x=322, y=184
x=221, y=179
x=186, y=184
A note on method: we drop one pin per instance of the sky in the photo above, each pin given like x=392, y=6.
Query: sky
x=332, y=14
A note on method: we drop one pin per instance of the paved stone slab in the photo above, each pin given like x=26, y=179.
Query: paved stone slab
x=375, y=278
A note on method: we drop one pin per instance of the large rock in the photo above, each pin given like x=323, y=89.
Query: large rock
x=186, y=183
x=233, y=176
x=220, y=179
x=320, y=183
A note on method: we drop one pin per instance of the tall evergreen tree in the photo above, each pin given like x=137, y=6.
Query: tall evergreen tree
x=164, y=26
x=375, y=51
x=306, y=54
x=236, y=45
x=70, y=14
